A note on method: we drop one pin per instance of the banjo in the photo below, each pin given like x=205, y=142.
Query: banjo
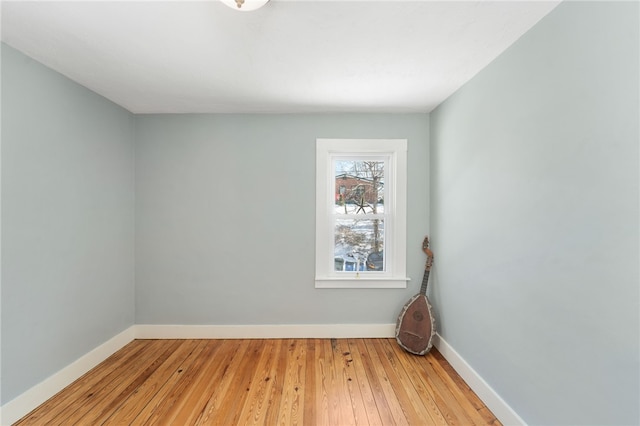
x=416, y=326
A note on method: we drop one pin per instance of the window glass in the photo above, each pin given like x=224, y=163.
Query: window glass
x=359, y=214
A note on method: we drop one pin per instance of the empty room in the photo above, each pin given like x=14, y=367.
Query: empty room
x=323, y=212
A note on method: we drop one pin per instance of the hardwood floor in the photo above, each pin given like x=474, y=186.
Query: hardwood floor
x=266, y=382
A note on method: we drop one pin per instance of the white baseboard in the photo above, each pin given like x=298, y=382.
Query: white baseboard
x=273, y=331
x=17, y=408
x=491, y=399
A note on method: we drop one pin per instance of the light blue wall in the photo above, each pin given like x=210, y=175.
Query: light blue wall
x=534, y=170
x=225, y=218
x=67, y=222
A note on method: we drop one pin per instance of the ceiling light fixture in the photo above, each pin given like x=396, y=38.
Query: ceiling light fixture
x=245, y=5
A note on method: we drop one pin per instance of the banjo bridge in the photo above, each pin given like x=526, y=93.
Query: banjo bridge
x=412, y=334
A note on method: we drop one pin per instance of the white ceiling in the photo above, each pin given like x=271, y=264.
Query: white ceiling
x=289, y=56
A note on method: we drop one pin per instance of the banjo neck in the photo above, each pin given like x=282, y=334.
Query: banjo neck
x=425, y=281
x=427, y=266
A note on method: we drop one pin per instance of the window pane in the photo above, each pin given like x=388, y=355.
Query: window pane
x=359, y=245
x=359, y=186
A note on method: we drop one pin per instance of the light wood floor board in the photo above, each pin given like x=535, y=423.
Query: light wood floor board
x=266, y=382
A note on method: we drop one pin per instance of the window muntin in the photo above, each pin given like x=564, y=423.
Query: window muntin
x=361, y=213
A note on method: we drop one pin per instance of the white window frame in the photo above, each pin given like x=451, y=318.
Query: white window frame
x=395, y=204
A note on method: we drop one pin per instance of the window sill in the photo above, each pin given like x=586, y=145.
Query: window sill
x=361, y=282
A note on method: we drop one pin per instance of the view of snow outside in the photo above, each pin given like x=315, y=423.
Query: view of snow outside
x=359, y=215
x=355, y=241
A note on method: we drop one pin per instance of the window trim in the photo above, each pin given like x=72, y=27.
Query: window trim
x=395, y=231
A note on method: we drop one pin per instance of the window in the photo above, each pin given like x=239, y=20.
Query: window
x=361, y=213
